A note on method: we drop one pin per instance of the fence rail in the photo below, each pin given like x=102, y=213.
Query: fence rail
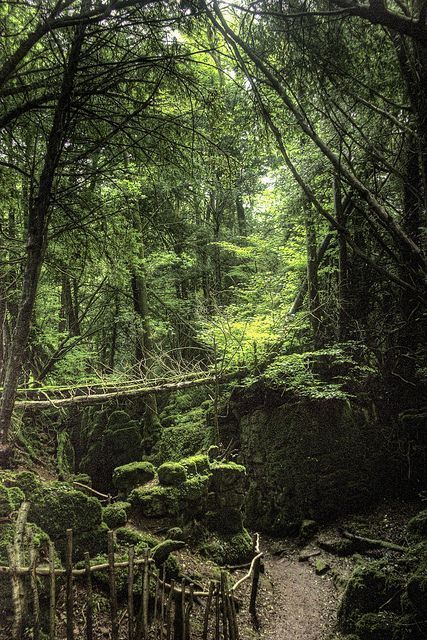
x=162, y=610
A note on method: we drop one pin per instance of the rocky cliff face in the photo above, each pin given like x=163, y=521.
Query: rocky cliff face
x=310, y=458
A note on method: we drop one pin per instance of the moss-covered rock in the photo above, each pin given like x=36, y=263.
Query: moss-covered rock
x=133, y=474
x=116, y=514
x=227, y=475
x=27, y=481
x=225, y=521
x=417, y=589
x=135, y=537
x=175, y=533
x=194, y=492
x=228, y=549
x=56, y=507
x=171, y=474
x=371, y=588
x=16, y=497
x=417, y=526
x=154, y=502
x=113, y=440
x=308, y=530
x=196, y=465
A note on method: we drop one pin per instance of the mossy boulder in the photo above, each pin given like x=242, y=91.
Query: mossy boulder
x=195, y=490
x=133, y=474
x=16, y=497
x=171, y=474
x=228, y=549
x=371, y=588
x=175, y=533
x=196, y=465
x=154, y=502
x=56, y=507
x=226, y=476
x=27, y=481
x=116, y=514
x=386, y=625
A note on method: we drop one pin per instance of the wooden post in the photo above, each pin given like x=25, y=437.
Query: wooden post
x=35, y=591
x=52, y=592
x=69, y=585
x=254, y=590
x=234, y=616
x=207, y=611
x=169, y=611
x=89, y=598
x=17, y=583
x=146, y=592
x=188, y=613
x=183, y=608
x=224, y=605
x=217, y=610
x=113, y=588
x=131, y=579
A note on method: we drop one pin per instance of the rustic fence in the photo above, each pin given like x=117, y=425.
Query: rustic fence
x=162, y=610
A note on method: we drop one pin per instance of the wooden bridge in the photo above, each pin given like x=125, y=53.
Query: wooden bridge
x=60, y=603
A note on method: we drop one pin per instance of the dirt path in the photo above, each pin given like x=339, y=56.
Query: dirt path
x=302, y=605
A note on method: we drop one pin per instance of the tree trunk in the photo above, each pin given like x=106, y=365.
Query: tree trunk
x=341, y=217
x=312, y=281
x=144, y=345
x=38, y=219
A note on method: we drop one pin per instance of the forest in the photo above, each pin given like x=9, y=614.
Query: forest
x=213, y=273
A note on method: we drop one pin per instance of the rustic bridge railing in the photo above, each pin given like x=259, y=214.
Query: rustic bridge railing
x=162, y=610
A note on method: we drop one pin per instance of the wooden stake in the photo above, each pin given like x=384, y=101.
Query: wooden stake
x=183, y=607
x=146, y=593
x=224, y=605
x=69, y=585
x=131, y=579
x=35, y=592
x=217, y=611
x=234, y=616
x=188, y=613
x=113, y=588
x=89, y=598
x=52, y=592
x=169, y=611
x=207, y=611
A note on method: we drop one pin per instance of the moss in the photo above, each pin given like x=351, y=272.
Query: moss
x=65, y=455
x=370, y=588
x=155, y=502
x=196, y=465
x=171, y=474
x=56, y=507
x=5, y=503
x=385, y=625
x=226, y=475
x=112, y=440
x=27, y=481
x=416, y=589
x=129, y=536
x=214, y=452
x=134, y=474
x=308, y=529
x=195, y=489
x=83, y=478
x=115, y=515
x=225, y=521
x=417, y=526
x=231, y=549
x=175, y=533
x=182, y=438
x=16, y=497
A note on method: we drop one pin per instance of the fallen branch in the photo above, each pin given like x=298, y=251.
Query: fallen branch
x=370, y=542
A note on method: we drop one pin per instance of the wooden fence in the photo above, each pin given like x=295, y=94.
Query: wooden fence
x=162, y=610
